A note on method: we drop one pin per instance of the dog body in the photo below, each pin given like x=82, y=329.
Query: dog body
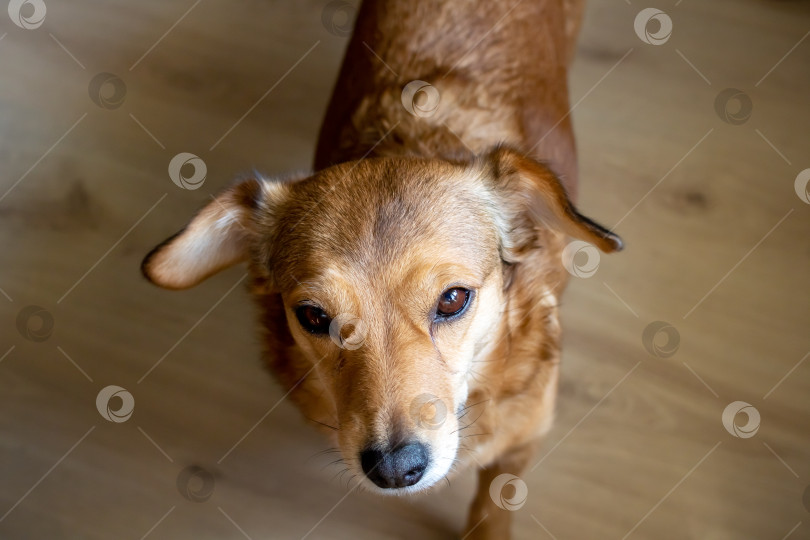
x=409, y=288
x=500, y=68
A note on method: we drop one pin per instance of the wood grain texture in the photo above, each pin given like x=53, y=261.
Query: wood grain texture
x=717, y=246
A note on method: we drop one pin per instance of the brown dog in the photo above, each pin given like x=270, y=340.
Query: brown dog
x=409, y=288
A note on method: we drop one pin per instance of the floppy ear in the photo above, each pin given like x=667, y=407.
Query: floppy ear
x=533, y=196
x=217, y=237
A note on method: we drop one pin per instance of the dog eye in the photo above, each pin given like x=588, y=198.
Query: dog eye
x=452, y=302
x=313, y=319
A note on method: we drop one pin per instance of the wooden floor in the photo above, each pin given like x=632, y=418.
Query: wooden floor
x=717, y=248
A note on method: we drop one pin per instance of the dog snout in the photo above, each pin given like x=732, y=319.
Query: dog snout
x=397, y=468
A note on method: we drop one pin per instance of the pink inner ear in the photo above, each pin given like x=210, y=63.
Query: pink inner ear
x=216, y=238
x=202, y=249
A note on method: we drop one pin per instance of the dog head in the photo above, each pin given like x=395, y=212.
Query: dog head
x=394, y=275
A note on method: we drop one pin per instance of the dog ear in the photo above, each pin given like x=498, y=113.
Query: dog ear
x=217, y=237
x=532, y=195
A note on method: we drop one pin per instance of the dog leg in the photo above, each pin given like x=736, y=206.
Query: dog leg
x=487, y=520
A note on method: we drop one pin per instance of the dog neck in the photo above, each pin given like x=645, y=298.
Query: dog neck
x=387, y=123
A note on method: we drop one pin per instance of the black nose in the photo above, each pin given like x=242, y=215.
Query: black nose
x=398, y=468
